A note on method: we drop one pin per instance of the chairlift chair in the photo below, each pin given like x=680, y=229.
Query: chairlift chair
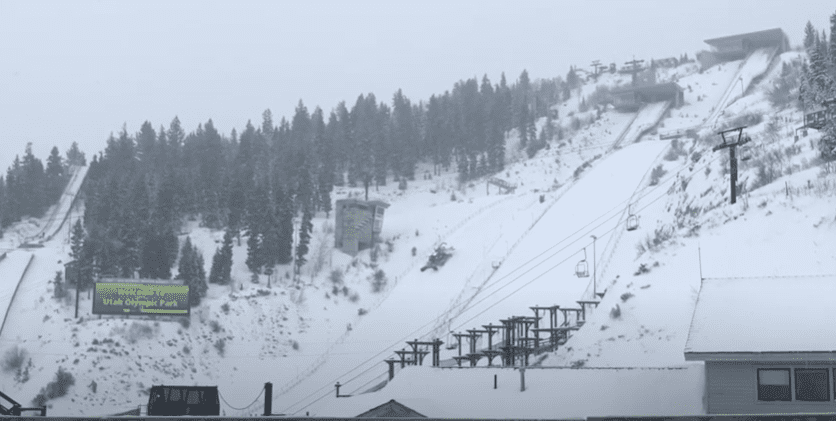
x=632, y=222
x=632, y=219
x=450, y=344
x=581, y=269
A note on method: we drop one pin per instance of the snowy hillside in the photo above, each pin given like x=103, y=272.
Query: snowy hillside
x=513, y=251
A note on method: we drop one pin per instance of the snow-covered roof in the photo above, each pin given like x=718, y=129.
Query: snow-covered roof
x=549, y=393
x=769, y=34
x=763, y=318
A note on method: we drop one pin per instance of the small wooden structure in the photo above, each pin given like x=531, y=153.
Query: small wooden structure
x=391, y=409
x=505, y=186
x=818, y=116
x=357, y=224
x=71, y=272
x=184, y=400
x=632, y=98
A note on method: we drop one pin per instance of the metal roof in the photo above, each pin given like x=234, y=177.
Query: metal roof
x=762, y=317
x=363, y=202
x=769, y=34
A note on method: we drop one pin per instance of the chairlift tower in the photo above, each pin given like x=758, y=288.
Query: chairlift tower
x=741, y=140
x=634, y=68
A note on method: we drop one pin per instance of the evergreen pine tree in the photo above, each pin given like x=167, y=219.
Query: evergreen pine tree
x=55, y=178
x=222, y=262
x=75, y=156
x=192, y=273
x=809, y=36
x=304, y=238
x=254, y=253
x=833, y=45
x=285, y=213
x=77, y=240
x=60, y=291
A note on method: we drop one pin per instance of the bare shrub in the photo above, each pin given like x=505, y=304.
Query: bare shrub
x=379, y=281
x=656, y=175
x=660, y=235
x=336, y=277
x=184, y=321
x=615, y=313
x=578, y=363
x=676, y=150
x=13, y=359
x=138, y=331
x=220, y=345
x=215, y=326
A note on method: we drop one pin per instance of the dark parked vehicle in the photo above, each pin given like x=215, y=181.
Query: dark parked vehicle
x=183, y=400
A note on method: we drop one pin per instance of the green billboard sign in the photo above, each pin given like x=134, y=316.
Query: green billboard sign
x=140, y=298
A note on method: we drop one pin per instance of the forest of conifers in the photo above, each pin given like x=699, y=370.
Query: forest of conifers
x=256, y=182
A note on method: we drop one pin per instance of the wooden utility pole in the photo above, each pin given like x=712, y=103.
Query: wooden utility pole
x=596, y=65
x=77, y=288
x=732, y=155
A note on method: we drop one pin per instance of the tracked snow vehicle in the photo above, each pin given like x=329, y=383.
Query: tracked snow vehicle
x=439, y=257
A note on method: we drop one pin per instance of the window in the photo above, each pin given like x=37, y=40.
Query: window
x=811, y=385
x=192, y=398
x=774, y=384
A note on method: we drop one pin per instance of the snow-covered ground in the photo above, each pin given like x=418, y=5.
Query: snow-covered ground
x=306, y=337
x=12, y=266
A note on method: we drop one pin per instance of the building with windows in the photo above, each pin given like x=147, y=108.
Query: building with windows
x=357, y=224
x=737, y=47
x=767, y=343
x=632, y=98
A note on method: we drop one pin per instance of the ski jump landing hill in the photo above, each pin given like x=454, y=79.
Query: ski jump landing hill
x=751, y=70
x=15, y=263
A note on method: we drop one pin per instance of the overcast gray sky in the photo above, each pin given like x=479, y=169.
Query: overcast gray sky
x=77, y=70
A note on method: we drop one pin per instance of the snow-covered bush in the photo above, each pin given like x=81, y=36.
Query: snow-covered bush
x=626, y=296
x=56, y=388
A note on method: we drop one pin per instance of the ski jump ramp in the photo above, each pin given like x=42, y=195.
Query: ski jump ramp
x=59, y=212
x=646, y=119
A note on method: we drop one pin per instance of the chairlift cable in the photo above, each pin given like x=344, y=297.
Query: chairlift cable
x=658, y=186
x=240, y=409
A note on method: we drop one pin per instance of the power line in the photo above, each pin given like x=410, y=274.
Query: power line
x=241, y=409
x=655, y=188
